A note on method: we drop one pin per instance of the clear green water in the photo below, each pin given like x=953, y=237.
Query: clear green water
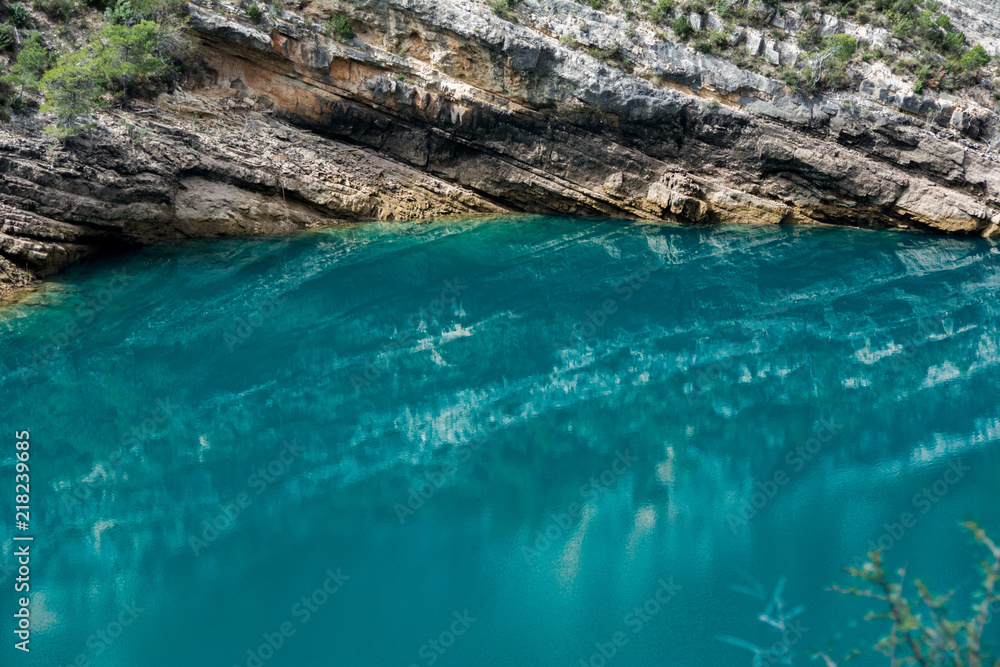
x=463, y=360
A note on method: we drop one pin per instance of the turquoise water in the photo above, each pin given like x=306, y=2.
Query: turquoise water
x=522, y=441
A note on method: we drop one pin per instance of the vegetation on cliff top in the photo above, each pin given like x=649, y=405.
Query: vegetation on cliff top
x=135, y=50
x=913, y=38
x=920, y=41
x=339, y=26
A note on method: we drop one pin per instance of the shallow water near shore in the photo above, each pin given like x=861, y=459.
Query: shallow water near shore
x=515, y=441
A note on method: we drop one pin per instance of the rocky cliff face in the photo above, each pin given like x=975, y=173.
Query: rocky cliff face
x=440, y=107
x=199, y=170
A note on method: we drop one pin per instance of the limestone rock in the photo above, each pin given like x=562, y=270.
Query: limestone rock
x=789, y=53
x=676, y=203
x=771, y=53
x=440, y=107
x=234, y=32
x=830, y=25
x=964, y=121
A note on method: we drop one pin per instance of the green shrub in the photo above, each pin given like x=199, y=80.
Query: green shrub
x=903, y=28
x=703, y=44
x=682, y=28
x=7, y=38
x=254, y=13
x=927, y=28
x=975, y=58
x=131, y=57
x=72, y=90
x=929, y=75
x=122, y=14
x=166, y=13
x=903, y=7
x=847, y=10
x=121, y=59
x=32, y=61
x=339, y=26
x=607, y=54
x=809, y=38
x=793, y=77
x=925, y=629
x=660, y=10
x=499, y=7
x=58, y=10
x=841, y=46
x=954, y=42
x=712, y=43
x=34, y=57
x=277, y=8
x=18, y=15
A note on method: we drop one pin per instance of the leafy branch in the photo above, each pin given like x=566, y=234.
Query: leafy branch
x=922, y=632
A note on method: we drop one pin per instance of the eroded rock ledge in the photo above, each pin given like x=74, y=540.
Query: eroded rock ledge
x=200, y=171
x=437, y=107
